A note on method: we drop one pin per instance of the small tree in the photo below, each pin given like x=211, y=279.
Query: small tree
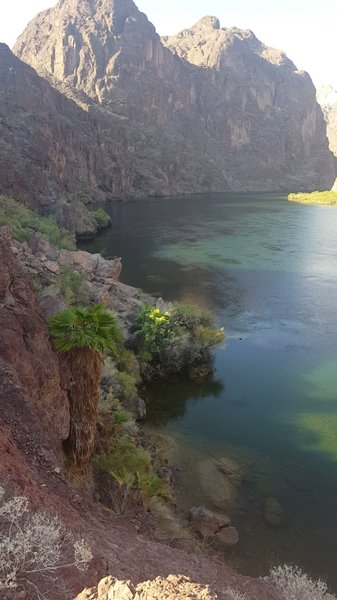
x=82, y=334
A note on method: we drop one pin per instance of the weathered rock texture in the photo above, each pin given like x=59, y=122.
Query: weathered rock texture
x=25, y=350
x=209, y=109
x=171, y=588
x=327, y=98
x=53, y=154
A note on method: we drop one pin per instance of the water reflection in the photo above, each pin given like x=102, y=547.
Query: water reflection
x=167, y=400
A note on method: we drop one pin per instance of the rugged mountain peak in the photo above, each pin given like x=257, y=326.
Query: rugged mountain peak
x=78, y=42
x=207, y=44
x=206, y=23
x=233, y=114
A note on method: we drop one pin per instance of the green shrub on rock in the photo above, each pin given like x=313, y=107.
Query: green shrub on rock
x=173, y=339
x=25, y=223
x=101, y=218
x=73, y=287
x=131, y=466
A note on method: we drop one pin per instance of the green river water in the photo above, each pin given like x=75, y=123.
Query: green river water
x=268, y=270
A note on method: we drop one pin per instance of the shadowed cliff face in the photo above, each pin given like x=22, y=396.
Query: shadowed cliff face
x=209, y=109
x=53, y=154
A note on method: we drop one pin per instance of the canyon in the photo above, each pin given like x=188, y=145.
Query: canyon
x=117, y=112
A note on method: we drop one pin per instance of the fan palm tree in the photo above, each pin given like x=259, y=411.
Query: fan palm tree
x=83, y=334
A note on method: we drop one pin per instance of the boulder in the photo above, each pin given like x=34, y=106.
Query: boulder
x=228, y=536
x=216, y=486
x=207, y=523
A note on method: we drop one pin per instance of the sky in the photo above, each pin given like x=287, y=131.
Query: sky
x=304, y=29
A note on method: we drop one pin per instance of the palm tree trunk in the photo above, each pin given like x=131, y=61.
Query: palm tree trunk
x=85, y=365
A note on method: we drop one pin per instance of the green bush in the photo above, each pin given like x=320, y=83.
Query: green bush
x=131, y=466
x=175, y=339
x=25, y=223
x=101, y=218
x=126, y=360
x=73, y=287
x=127, y=386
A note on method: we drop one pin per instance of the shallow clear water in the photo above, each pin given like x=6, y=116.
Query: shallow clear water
x=268, y=269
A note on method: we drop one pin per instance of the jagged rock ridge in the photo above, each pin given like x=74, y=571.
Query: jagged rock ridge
x=209, y=109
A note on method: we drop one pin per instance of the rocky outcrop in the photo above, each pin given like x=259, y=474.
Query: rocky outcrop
x=171, y=588
x=45, y=264
x=25, y=350
x=327, y=98
x=209, y=109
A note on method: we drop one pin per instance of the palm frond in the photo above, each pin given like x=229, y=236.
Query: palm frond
x=80, y=327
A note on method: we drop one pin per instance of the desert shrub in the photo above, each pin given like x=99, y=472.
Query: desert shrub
x=73, y=287
x=24, y=223
x=131, y=466
x=127, y=386
x=34, y=546
x=174, y=339
x=290, y=583
x=126, y=360
x=101, y=218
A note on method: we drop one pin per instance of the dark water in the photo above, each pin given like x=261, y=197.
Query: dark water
x=268, y=269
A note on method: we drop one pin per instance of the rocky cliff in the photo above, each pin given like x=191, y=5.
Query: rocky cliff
x=327, y=98
x=209, y=109
x=53, y=155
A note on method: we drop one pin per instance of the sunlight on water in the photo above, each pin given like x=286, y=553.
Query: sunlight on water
x=321, y=432
x=322, y=381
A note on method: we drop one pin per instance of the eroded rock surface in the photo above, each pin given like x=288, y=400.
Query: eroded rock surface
x=217, y=487
x=54, y=156
x=209, y=109
x=327, y=98
x=171, y=588
x=25, y=350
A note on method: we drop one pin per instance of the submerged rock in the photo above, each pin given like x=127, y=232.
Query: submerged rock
x=208, y=524
x=231, y=469
x=228, y=536
x=217, y=487
x=273, y=511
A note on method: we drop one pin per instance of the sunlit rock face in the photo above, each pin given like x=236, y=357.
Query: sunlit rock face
x=209, y=109
x=327, y=98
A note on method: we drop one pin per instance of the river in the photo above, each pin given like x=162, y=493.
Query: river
x=268, y=270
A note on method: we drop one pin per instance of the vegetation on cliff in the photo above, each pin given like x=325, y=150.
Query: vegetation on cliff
x=327, y=198
x=174, y=339
x=83, y=334
x=101, y=218
x=24, y=223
